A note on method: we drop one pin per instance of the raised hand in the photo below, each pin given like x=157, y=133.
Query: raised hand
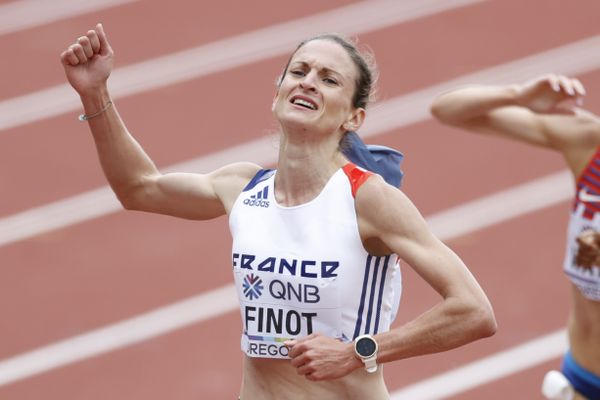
x=546, y=94
x=88, y=62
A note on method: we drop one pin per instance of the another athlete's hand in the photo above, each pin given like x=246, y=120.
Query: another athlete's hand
x=546, y=93
x=319, y=357
x=588, y=253
x=88, y=62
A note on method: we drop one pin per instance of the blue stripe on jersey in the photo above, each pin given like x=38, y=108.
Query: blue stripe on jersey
x=581, y=278
x=380, y=297
x=362, y=298
x=594, y=171
x=260, y=176
x=590, y=179
x=372, y=295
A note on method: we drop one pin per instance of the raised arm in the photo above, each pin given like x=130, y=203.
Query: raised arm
x=537, y=111
x=387, y=216
x=131, y=173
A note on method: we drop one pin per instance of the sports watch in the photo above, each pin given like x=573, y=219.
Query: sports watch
x=365, y=348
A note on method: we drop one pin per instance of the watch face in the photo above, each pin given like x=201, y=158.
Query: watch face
x=365, y=347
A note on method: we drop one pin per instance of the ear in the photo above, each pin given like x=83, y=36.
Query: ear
x=355, y=119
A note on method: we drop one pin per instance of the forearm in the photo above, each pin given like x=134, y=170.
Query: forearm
x=448, y=325
x=462, y=105
x=123, y=160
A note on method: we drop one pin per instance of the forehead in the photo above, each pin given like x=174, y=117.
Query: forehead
x=324, y=53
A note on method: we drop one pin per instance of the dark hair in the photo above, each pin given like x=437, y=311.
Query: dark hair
x=367, y=72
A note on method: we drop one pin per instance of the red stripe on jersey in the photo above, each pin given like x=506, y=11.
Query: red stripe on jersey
x=589, y=180
x=356, y=175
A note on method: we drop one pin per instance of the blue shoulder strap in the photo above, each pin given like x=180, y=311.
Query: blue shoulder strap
x=382, y=160
x=260, y=176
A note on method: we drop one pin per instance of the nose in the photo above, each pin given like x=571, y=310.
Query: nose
x=309, y=81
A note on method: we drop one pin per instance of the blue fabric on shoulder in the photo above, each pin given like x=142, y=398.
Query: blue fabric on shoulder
x=260, y=176
x=582, y=380
x=382, y=160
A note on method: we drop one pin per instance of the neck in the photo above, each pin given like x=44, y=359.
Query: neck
x=305, y=165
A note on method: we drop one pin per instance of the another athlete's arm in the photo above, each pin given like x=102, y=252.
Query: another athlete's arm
x=132, y=175
x=534, y=112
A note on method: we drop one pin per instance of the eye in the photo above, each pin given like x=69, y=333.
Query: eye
x=297, y=72
x=330, y=81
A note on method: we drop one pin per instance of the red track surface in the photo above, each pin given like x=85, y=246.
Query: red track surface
x=82, y=277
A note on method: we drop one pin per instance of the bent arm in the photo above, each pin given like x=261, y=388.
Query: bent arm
x=534, y=111
x=134, y=178
x=463, y=315
x=138, y=183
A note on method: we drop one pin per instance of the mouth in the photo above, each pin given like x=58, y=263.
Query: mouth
x=304, y=102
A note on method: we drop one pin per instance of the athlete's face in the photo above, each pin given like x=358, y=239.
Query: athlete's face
x=317, y=89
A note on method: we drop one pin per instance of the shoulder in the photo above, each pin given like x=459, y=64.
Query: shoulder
x=234, y=176
x=239, y=170
x=230, y=180
x=388, y=220
x=589, y=124
x=574, y=127
x=376, y=193
x=576, y=135
x=382, y=207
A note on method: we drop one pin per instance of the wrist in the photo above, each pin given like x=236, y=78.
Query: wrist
x=512, y=94
x=94, y=94
x=94, y=100
x=355, y=361
x=366, y=348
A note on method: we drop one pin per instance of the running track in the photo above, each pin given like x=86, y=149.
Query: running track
x=97, y=303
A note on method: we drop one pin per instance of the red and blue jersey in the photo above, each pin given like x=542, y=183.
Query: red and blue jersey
x=585, y=215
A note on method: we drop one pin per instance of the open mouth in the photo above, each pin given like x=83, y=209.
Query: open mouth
x=304, y=102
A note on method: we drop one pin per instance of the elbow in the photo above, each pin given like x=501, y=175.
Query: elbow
x=129, y=199
x=436, y=109
x=128, y=204
x=483, y=320
x=439, y=110
x=133, y=195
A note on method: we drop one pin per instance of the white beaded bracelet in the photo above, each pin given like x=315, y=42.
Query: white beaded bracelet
x=84, y=117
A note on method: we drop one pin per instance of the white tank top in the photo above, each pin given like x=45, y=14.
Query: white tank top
x=303, y=269
x=585, y=215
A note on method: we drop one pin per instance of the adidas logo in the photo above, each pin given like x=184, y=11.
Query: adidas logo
x=259, y=199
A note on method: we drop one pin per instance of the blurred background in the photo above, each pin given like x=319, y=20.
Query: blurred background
x=98, y=303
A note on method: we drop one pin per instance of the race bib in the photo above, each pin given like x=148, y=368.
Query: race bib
x=276, y=308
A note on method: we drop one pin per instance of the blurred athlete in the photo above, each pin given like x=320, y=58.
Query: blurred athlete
x=544, y=112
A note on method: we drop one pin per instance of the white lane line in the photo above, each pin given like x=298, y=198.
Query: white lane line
x=145, y=326
x=500, y=206
x=223, y=54
x=571, y=59
x=487, y=369
x=25, y=365
x=395, y=113
x=18, y=15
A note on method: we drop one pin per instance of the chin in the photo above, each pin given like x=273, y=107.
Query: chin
x=295, y=122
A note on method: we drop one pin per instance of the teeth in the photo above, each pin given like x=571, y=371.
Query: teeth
x=305, y=104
